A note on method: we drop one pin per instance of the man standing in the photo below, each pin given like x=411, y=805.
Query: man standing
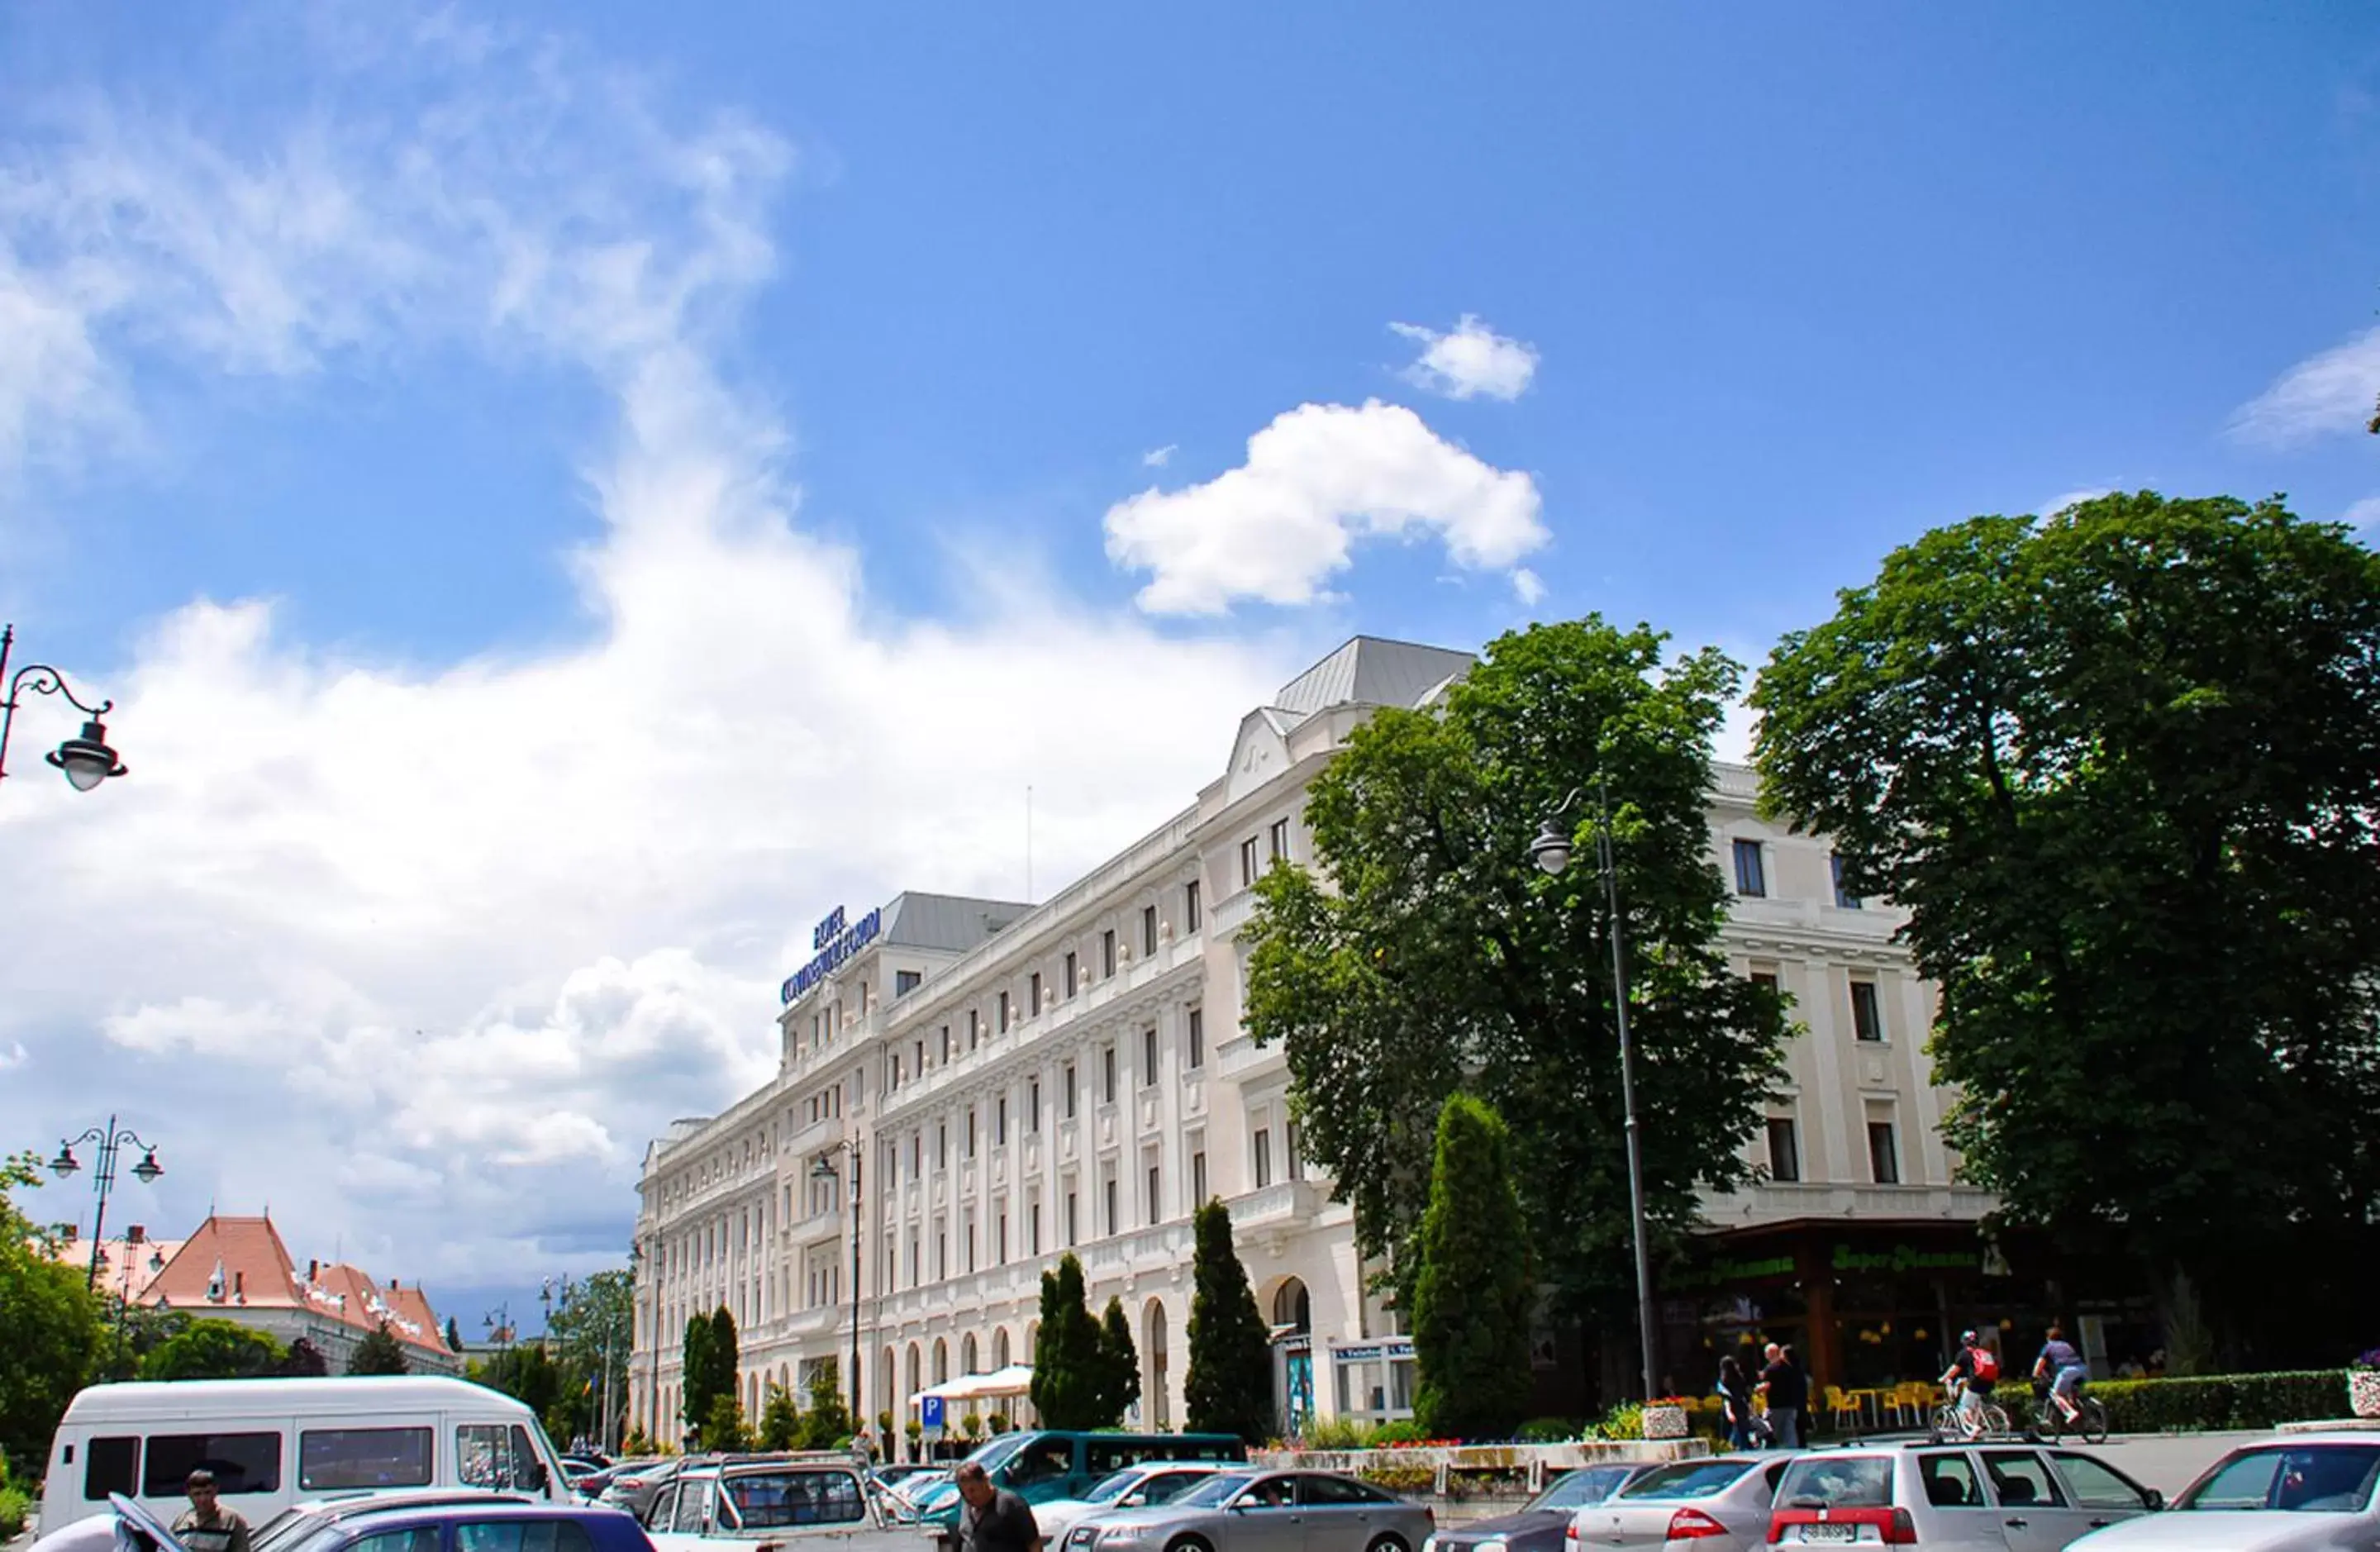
x=1788, y=1390
x=206, y=1526
x=991, y=1519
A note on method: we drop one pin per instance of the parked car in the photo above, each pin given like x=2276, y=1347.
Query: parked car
x=636, y=1483
x=1720, y=1503
x=1043, y=1465
x=1539, y=1525
x=1240, y=1511
x=299, y=1522
x=483, y=1524
x=1977, y=1497
x=2310, y=1492
x=1158, y=1482
x=894, y=1474
x=822, y=1497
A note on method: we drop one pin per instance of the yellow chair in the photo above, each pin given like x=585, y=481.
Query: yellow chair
x=1840, y=1405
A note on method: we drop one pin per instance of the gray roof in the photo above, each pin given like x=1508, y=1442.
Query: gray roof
x=954, y=923
x=1371, y=672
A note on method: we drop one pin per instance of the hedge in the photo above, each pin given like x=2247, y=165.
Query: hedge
x=2255, y=1400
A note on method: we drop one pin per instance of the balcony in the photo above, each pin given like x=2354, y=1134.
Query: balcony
x=1283, y=1203
x=1231, y=913
x=1774, y=1202
x=1241, y=1058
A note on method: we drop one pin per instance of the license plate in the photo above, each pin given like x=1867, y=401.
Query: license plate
x=1829, y=1535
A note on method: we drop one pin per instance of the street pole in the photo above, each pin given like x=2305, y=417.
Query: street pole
x=859, y=1423
x=1644, y=1334
x=85, y=761
x=111, y=1141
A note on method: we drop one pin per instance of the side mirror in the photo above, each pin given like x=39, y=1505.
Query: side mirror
x=2156, y=1500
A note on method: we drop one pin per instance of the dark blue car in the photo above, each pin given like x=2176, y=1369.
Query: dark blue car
x=490, y=1525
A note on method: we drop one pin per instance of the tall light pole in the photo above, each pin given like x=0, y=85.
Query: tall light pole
x=87, y=760
x=1551, y=852
x=822, y=1169
x=110, y=1139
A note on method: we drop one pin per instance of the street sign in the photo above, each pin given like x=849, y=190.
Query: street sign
x=933, y=1407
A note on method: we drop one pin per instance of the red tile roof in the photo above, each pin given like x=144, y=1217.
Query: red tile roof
x=127, y=1267
x=240, y=1262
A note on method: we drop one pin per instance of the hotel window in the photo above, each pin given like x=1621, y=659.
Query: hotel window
x=1765, y=979
x=999, y=1238
x=975, y=1028
x=1867, y=1016
x=896, y=1070
x=1033, y=995
x=904, y=982
x=915, y=1268
x=942, y=1144
x=1295, y=1159
x=1106, y=1076
x=941, y=1253
x=999, y=1123
x=1195, y=1057
x=1033, y=1229
x=970, y=1132
x=1190, y=906
x=1784, y=1150
x=1107, y=953
x=1751, y=875
x=1148, y=1056
x=969, y=1231
x=1883, y=1157
x=1279, y=841
x=1263, y=1141
x=1070, y=1090
x=946, y=1045
x=1033, y=1108
x=1147, y=931
x=1248, y=861
x=1070, y=972
x=1073, y=1236
x=1155, y=1199
x=1108, y=1190
x=921, y=1057
x=1002, y=1020
x=917, y=1154
x=1843, y=897
x=1198, y=1179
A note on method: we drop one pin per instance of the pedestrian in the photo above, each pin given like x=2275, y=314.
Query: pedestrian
x=1788, y=1389
x=993, y=1519
x=206, y=1526
x=1735, y=1403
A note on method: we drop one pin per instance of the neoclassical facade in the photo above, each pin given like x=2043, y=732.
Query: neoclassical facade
x=1013, y=1081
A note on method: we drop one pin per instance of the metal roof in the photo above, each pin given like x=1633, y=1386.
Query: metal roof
x=953, y=923
x=1370, y=671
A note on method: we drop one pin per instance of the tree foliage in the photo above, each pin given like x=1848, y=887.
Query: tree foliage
x=780, y=1420
x=453, y=1336
x=1118, y=1365
x=379, y=1353
x=304, y=1360
x=1069, y=1383
x=216, y=1350
x=1472, y=1295
x=1227, y=1387
x=526, y=1373
x=723, y=1426
x=2122, y=765
x=828, y=1422
x=1441, y=957
x=55, y=1340
x=709, y=1364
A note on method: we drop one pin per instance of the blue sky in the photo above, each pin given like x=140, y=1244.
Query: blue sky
x=437, y=428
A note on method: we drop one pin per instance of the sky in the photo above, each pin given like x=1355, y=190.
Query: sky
x=561, y=497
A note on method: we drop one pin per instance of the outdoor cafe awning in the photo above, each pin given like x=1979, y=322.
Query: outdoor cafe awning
x=1014, y=1380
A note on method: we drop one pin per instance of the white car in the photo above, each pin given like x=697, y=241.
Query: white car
x=1152, y=1482
x=2312, y=1492
x=752, y=1503
x=1720, y=1503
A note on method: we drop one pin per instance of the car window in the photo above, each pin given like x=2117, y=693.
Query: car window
x=522, y=1535
x=1271, y=1492
x=1686, y=1479
x=110, y=1465
x=1166, y=1486
x=1110, y=1487
x=242, y=1463
x=2305, y=1479
x=1045, y=1459
x=419, y=1538
x=496, y=1455
x=330, y=1458
x=1215, y=1489
x=1835, y=1482
x=693, y=1514
x=1948, y=1480
x=2096, y=1484
x=768, y=1500
x=1588, y=1484
x=1328, y=1490
x=2021, y=1480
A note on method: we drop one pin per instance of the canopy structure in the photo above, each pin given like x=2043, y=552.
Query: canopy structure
x=1014, y=1380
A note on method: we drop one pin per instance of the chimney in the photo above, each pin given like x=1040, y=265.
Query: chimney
x=313, y=1271
x=240, y=1286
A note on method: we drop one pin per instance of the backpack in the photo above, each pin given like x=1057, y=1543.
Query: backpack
x=1986, y=1362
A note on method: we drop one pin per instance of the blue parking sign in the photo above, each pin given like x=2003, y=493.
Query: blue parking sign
x=932, y=1406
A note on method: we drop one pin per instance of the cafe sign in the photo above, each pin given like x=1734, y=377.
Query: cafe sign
x=1906, y=1258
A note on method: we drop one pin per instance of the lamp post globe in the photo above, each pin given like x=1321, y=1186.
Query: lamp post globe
x=66, y=1163
x=823, y=1168
x=1550, y=851
x=87, y=760
x=148, y=1170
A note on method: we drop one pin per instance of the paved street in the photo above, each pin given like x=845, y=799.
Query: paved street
x=2169, y=1462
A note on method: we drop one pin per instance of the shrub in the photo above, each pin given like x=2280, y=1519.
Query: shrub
x=2221, y=1402
x=1402, y=1431
x=1626, y=1421
x=1551, y=1430
x=1485, y=1482
x=16, y=1504
x=1401, y=1479
x=1335, y=1432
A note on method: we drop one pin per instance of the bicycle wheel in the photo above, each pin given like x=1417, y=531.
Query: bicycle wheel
x=1995, y=1421
x=2092, y=1420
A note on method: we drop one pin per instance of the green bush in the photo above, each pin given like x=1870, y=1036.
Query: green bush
x=1400, y=1479
x=1626, y=1421
x=1402, y=1431
x=2221, y=1402
x=1551, y=1430
x=16, y=1504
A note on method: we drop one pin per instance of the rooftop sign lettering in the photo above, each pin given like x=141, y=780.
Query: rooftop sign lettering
x=835, y=942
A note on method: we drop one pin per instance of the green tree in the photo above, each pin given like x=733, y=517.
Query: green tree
x=828, y=1422
x=722, y=1428
x=1470, y=1298
x=216, y=1350
x=695, y=1371
x=529, y=1376
x=1118, y=1365
x=379, y=1353
x=1229, y=1387
x=1067, y=1380
x=726, y=1362
x=1440, y=957
x=589, y=1331
x=453, y=1336
x=2121, y=767
x=55, y=1341
x=304, y=1360
x=780, y=1420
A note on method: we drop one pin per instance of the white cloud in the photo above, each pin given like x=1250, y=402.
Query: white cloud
x=2057, y=504
x=2322, y=395
x=1160, y=458
x=1317, y=479
x=1470, y=361
x=1528, y=587
x=2364, y=514
x=422, y=953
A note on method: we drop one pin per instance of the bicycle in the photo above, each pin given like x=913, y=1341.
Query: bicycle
x=1951, y=1424
x=2090, y=1419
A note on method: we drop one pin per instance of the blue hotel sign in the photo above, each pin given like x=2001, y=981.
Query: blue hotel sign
x=834, y=940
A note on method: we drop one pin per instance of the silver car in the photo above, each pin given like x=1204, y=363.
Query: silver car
x=2299, y=1493
x=1721, y=1504
x=1273, y=1511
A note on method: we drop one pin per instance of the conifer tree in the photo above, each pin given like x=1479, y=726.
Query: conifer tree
x=1068, y=1381
x=1470, y=1296
x=378, y=1354
x=1229, y=1387
x=1118, y=1365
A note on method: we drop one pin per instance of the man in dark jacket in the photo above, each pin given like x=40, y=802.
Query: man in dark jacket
x=1788, y=1389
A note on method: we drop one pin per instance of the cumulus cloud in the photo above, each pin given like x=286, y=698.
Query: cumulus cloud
x=1469, y=362
x=421, y=954
x=1160, y=458
x=2364, y=514
x=2057, y=504
x=1528, y=587
x=1316, y=480
x=2321, y=395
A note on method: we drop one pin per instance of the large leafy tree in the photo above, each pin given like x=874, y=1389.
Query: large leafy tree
x=1069, y=1383
x=2122, y=765
x=216, y=1350
x=1427, y=953
x=55, y=1343
x=1471, y=1296
x=1118, y=1365
x=1228, y=1388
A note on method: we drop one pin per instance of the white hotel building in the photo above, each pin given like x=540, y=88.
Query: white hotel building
x=1016, y=1081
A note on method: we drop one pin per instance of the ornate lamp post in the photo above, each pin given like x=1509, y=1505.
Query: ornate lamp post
x=87, y=760
x=1551, y=851
x=110, y=1139
x=822, y=1169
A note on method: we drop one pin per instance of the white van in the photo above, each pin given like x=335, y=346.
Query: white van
x=272, y=1442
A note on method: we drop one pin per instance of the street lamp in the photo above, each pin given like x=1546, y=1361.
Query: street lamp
x=86, y=760
x=1551, y=852
x=498, y=1324
x=822, y=1169
x=110, y=1139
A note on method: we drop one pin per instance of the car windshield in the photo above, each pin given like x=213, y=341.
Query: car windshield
x=2297, y=1478
x=1215, y=1489
x=1590, y=1485
x=280, y=1528
x=993, y=1456
x=766, y=1501
x=1686, y=1479
x=1837, y=1482
x=1114, y=1485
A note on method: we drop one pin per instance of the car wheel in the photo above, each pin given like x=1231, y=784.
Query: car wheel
x=1387, y=1542
x=1188, y=1543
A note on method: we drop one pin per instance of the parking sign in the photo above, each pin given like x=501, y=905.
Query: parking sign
x=932, y=1406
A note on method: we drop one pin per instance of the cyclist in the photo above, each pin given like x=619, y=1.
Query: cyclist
x=1976, y=1372
x=2062, y=1366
